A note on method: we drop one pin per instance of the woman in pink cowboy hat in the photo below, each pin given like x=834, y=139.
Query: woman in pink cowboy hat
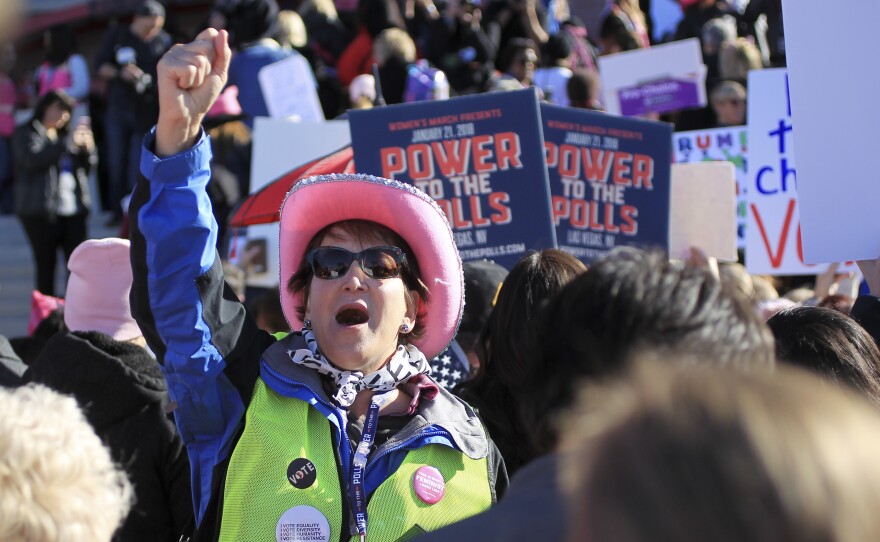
x=335, y=432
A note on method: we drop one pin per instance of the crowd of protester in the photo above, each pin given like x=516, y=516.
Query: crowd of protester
x=637, y=398
x=421, y=49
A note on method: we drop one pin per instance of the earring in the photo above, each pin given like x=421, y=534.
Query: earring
x=307, y=324
x=404, y=329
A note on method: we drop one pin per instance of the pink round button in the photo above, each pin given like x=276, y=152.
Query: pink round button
x=429, y=485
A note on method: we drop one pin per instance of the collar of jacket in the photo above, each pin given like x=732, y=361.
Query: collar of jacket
x=112, y=380
x=445, y=412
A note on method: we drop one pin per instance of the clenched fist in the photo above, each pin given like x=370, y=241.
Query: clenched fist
x=190, y=77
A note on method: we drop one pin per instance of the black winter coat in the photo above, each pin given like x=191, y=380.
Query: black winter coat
x=11, y=366
x=37, y=169
x=123, y=394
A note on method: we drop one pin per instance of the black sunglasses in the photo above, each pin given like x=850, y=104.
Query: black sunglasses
x=381, y=262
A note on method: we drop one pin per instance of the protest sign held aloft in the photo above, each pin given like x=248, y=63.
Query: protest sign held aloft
x=728, y=144
x=836, y=130
x=480, y=157
x=773, y=233
x=667, y=77
x=702, y=210
x=609, y=179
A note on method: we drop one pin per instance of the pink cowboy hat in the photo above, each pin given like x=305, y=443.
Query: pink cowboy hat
x=319, y=201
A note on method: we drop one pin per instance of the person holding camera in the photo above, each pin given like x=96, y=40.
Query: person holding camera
x=127, y=60
x=52, y=164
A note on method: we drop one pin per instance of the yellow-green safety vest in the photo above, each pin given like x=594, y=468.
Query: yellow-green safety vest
x=285, y=459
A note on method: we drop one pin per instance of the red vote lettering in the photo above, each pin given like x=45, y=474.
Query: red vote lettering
x=775, y=259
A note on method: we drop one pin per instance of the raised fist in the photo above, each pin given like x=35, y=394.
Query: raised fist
x=190, y=77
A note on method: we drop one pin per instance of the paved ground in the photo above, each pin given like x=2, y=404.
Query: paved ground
x=17, y=272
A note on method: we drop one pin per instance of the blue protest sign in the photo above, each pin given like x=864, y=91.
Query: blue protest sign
x=609, y=180
x=480, y=157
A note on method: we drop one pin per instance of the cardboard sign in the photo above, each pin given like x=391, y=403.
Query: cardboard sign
x=773, y=232
x=836, y=131
x=280, y=146
x=663, y=78
x=480, y=157
x=609, y=179
x=703, y=210
x=728, y=144
x=289, y=89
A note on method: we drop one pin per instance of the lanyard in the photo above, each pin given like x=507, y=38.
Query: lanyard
x=359, y=463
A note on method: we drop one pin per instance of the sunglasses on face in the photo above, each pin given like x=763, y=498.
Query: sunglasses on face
x=381, y=262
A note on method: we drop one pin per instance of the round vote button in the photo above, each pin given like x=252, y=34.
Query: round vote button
x=301, y=473
x=429, y=485
x=302, y=524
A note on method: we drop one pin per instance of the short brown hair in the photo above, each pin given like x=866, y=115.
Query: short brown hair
x=673, y=455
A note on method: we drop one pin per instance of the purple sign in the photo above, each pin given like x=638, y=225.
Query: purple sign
x=659, y=97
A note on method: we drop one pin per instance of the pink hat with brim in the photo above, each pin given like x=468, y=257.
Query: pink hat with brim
x=317, y=202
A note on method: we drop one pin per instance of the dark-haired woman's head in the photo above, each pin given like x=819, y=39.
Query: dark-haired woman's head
x=413, y=292
x=519, y=58
x=632, y=301
x=830, y=343
x=617, y=34
x=53, y=110
x=507, y=347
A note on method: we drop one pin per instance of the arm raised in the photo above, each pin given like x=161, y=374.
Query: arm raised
x=190, y=77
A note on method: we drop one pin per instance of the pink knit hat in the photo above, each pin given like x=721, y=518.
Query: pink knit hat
x=226, y=103
x=98, y=288
x=317, y=202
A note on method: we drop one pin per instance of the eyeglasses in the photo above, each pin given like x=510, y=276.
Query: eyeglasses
x=382, y=262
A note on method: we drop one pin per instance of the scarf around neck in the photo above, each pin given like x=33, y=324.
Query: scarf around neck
x=406, y=362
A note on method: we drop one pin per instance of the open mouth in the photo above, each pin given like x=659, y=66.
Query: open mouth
x=352, y=316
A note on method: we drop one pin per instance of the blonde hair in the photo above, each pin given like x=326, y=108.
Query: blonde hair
x=728, y=90
x=754, y=288
x=291, y=29
x=327, y=8
x=679, y=454
x=737, y=58
x=633, y=11
x=764, y=290
x=57, y=481
x=394, y=42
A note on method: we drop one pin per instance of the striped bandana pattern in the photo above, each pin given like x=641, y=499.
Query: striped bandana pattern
x=406, y=362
